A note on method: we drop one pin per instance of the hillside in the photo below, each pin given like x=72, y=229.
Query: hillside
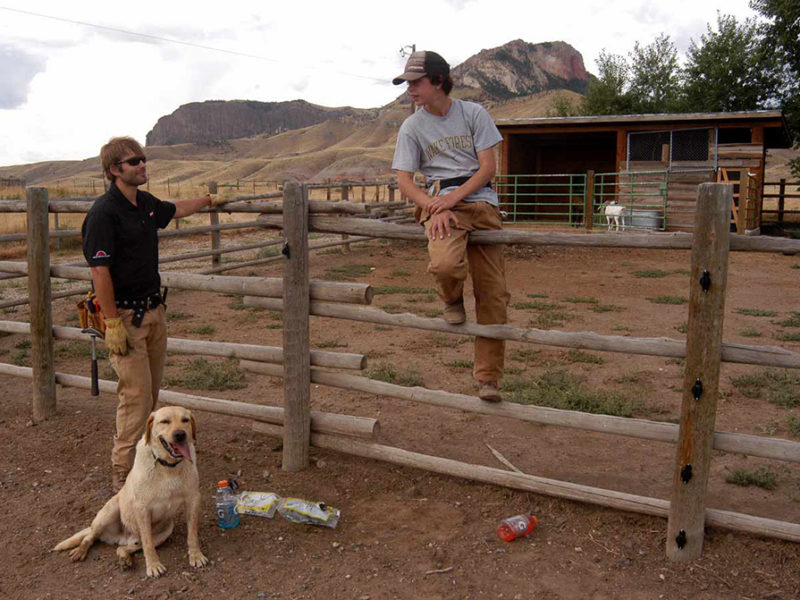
x=230, y=140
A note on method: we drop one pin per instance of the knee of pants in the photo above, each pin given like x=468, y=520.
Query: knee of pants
x=448, y=266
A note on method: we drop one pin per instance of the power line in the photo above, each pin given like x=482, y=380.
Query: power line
x=172, y=41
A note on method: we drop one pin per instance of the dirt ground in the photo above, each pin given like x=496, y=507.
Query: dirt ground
x=406, y=533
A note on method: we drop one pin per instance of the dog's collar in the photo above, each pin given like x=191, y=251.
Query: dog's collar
x=161, y=461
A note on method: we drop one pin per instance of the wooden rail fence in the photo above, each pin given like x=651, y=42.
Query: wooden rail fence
x=299, y=297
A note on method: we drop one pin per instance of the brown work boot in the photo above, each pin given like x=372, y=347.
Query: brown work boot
x=118, y=477
x=489, y=392
x=454, y=314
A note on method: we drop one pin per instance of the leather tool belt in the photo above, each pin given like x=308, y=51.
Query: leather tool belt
x=141, y=306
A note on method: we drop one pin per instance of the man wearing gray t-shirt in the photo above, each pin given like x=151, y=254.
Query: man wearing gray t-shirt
x=451, y=142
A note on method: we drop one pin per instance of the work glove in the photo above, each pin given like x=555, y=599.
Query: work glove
x=116, y=336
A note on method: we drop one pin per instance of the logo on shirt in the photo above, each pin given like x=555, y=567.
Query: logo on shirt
x=101, y=254
x=151, y=213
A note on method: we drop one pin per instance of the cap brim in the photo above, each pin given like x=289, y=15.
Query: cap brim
x=407, y=77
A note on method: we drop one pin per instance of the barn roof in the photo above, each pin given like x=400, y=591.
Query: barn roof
x=772, y=120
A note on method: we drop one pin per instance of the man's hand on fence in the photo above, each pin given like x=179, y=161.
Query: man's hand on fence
x=116, y=336
x=219, y=200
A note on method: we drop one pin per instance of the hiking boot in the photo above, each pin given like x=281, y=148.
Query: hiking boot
x=118, y=477
x=454, y=314
x=489, y=392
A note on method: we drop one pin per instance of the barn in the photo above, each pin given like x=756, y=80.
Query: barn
x=557, y=170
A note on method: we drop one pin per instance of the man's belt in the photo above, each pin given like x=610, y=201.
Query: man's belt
x=140, y=306
x=456, y=181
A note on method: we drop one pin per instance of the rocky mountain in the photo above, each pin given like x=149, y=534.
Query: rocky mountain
x=214, y=120
x=247, y=140
x=519, y=68
x=509, y=71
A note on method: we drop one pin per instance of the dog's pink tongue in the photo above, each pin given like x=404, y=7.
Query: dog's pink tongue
x=184, y=450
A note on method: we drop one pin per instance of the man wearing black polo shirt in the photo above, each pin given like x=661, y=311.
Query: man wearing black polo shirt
x=120, y=243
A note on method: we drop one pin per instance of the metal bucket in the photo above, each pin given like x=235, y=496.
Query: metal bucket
x=649, y=220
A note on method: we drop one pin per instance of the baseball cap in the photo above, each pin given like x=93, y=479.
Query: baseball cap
x=421, y=63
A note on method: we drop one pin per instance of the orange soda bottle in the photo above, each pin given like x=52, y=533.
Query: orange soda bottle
x=516, y=527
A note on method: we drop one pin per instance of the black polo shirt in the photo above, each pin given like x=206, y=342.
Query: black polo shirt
x=124, y=237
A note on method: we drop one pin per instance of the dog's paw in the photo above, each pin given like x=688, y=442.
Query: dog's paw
x=78, y=553
x=124, y=561
x=156, y=569
x=197, y=559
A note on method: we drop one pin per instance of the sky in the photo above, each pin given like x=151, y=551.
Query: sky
x=74, y=74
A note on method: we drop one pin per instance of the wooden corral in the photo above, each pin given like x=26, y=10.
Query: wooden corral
x=688, y=148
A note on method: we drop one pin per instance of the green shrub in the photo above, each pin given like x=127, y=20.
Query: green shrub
x=782, y=388
x=560, y=389
x=200, y=374
x=385, y=372
x=756, y=312
x=651, y=273
x=763, y=477
x=669, y=300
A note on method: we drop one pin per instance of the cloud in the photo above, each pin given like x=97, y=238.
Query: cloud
x=18, y=68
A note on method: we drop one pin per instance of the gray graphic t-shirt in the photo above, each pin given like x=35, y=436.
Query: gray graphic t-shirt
x=448, y=146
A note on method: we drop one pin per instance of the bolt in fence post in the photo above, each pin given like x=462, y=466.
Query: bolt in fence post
x=296, y=352
x=703, y=356
x=39, y=293
x=213, y=218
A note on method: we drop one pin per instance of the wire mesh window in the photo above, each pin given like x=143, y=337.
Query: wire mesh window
x=691, y=144
x=683, y=145
x=647, y=146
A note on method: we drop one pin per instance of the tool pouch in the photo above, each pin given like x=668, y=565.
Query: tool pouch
x=89, y=314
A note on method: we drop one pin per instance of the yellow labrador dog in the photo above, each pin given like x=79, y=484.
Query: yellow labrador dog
x=162, y=481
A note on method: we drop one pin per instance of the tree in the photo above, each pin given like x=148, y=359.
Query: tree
x=729, y=69
x=655, y=76
x=781, y=35
x=607, y=94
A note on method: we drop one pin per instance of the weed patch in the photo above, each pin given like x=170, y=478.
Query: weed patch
x=763, y=477
x=793, y=424
x=750, y=332
x=332, y=344
x=543, y=306
x=200, y=374
x=559, y=389
x=78, y=349
x=346, y=272
x=579, y=356
x=177, y=316
x=536, y=295
x=683, y=327
x=793, y=321
x=778, y=387
x=789, y=336
x=582, y=300
x=409, y=377
x=601, y=308
x=651, y=273
x=204, y=330
x=756, y=312
x=669, y=300
x=400, y=273
x=459, y=364
x=379, y=290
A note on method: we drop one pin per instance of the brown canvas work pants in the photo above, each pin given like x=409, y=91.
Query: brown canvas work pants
x=140, y=372
x=450, y=261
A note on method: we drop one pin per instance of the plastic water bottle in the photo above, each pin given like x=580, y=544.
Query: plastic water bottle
x=227, y=517
x=516, y=527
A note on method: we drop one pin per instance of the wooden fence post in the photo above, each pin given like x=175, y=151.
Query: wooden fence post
x=391, y=192
x=588, y=204
x=701, y=374
x=781, y=200
x=42, y=350
x=345, y=198
x=296, y=303
x=213, y=219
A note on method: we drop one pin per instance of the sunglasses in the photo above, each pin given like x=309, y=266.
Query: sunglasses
x=134, y=162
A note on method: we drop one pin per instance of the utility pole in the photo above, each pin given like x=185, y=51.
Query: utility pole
x=408, y=51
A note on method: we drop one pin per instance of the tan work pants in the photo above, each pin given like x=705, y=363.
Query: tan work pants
x=139, y=372
x=452, y=258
